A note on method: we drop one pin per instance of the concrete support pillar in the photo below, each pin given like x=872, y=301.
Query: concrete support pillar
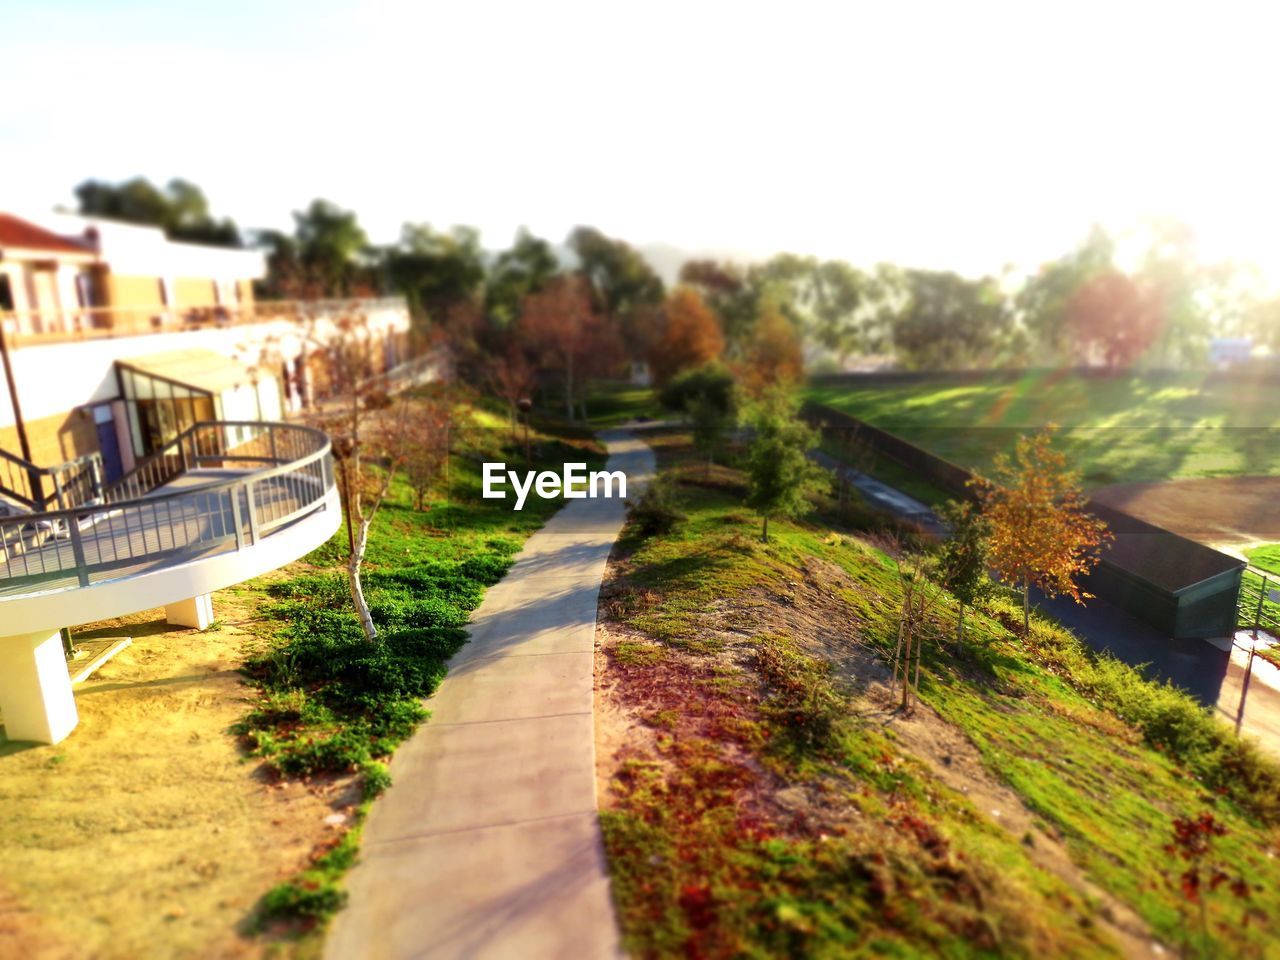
x=35, y=688
x=196, y=612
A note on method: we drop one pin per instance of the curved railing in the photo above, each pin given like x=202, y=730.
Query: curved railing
x=260, y=477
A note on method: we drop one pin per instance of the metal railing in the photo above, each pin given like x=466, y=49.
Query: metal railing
x=57, y=325
x=289, y=473
x=61, y=487
x=1259, y=602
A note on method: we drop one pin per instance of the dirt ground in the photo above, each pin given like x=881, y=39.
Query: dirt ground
x=812, y=613
x=1231, y=512
x=146, y=833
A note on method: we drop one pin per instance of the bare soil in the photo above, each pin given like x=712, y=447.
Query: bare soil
x=147, y=832
x=1221, y=511
x=811, y=612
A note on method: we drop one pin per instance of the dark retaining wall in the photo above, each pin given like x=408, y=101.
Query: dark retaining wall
x=1179, y=586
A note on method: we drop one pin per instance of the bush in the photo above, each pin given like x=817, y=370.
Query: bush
x=296, y=901
x=656, y=511
x=712, y=384
x=377, y=778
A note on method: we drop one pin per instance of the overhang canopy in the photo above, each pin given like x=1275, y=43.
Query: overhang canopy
x=197, y=368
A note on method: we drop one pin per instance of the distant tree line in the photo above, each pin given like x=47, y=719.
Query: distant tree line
x=595, y=304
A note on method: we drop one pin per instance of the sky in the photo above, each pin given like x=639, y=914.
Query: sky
x=960, y=136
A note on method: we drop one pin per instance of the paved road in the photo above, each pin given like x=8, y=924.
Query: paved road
x=488, y=844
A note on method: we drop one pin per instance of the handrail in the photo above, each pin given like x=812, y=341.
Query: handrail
x=75, y=323
x=71, y=483
x=95, y=542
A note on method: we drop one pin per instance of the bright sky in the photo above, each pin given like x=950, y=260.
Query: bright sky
x=962, y=135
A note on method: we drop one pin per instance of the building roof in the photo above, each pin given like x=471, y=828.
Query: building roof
x=1159, y=556
x=19, y=234
x=197, y=367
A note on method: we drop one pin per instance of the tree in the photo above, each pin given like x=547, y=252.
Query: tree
x=709, y=422
x=368, y=443
x=773, y=355
x=426, y=445
x=962, y=558
x=918, y=598
x=523, y=269
x=180, y=209
x=1042, y=302
x=1041, y=535
x=726, y=289
x=781, y=475
x=568, y=335
x=619, y=277
x=512, y=377
x=435, y=270
x=950, y=321
x=1261, y=321
x=711, y=381
x=286, y=277
x=329, y=241
x=1175, y=283
x=692, y=336
x=1115, y=317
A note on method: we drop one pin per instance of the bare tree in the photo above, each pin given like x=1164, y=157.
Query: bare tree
x=512, y=377
x=918, y=598
x=368, y=431
x=426, y=445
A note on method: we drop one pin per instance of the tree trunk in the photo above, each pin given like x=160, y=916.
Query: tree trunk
x=357, y=588
x=764, y=533
x=960, y=625
x=906, y=670
x=1026, y=607
x=568, y=391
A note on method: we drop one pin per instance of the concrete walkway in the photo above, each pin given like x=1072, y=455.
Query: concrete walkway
x=488, y=844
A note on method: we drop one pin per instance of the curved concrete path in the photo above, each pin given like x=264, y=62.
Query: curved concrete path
x=488, y=844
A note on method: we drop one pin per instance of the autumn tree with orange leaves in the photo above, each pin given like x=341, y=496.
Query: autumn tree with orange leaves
x=1041, y=534
x=568, y=336
x=774, y=356
x=692, y=336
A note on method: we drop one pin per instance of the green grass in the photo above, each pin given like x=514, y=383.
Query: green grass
x=330, y=702
x=610, y=403
x=1105, y=758
x=1265, y=558
x=1119, y=429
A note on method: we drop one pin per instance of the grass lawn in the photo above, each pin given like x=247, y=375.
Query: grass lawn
x=611, y=402
x=1120, y=429
x=776, y=813
x=1267, y=559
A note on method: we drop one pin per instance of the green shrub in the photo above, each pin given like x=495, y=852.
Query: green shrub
x=300, y=901
x=377, y=778
x=656, y=511
x=711, y=383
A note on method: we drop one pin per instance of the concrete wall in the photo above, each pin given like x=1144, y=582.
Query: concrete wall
x=55, y=439
x=53, y=378
x=193, y=292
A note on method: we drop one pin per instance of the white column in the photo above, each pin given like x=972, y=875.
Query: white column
x=35, y=688
x=196, y=612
